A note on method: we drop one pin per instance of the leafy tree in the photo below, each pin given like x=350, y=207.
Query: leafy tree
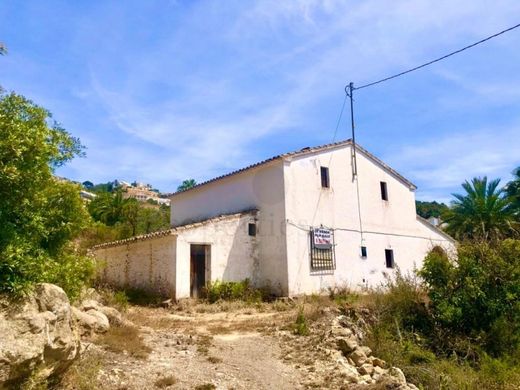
x=477, y=294
x=88, y=185
x=153, y=219
x=103, y=187
x=483, y=212
x=39, y=214
x=513, y=191
x=187, y=184
x=3, y=49
x=430, y=209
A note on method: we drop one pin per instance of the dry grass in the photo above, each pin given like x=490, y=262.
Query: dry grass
x=206, y=386
x=214, y=359
x=203, y=344
x=83, y=374
x=159, y=320
x=165, y=381
x=122, y=339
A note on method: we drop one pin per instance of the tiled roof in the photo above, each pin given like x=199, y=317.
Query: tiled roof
x=175, y=230
x=303, y=151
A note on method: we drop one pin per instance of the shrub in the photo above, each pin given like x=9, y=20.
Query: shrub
x=477, y=295
x=233, y=291
x=40, y=215
x=301, y=327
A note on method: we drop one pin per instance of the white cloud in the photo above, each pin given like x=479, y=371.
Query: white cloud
x=443, y=163
x=283, y=59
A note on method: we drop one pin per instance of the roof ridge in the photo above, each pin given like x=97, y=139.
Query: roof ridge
x=173, y=230
x=305, y=150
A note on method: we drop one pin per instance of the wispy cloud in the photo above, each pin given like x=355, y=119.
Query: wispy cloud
x=165, y=91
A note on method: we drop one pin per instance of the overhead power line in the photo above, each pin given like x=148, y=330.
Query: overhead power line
x=437, y=59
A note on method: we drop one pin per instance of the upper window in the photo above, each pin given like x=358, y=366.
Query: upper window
x=363, y=251
x=384, y=190
x=389, y=255
x=252, y=229
x=325, y=177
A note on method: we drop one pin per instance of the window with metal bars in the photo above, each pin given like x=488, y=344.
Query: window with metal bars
x=322, y=250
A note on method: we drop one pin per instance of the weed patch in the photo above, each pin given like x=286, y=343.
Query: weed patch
x=165, y=381
x=234, y=291
x=125, y=339
x=300, y=326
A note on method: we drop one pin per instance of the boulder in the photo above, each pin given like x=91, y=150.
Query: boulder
x=102, y=323
x=366, y=369
x=347, y=345
x=37, y=339
x=358, y=357
x=397, y=373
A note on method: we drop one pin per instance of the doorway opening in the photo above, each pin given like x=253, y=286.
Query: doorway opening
x=199, y=266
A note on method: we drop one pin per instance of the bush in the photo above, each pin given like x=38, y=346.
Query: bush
x=233, y=291
x=40, y=215
x=477, y=295
x=301, y=327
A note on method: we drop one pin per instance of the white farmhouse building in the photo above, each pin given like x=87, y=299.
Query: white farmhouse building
x=299, y=222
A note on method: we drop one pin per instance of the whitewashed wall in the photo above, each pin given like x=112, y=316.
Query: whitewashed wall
x=261, y=188
x=148, y=264
x=388, y=224
x=234, y=254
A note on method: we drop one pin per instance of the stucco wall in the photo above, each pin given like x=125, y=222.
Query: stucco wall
x=388, y=224
x=147, y=264
x=261, y=188
x=234, y=254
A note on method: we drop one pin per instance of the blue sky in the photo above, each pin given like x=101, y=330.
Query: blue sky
x=160, y=91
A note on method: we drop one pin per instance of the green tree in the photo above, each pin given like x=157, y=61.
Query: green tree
x=187, y=184
x=39, y=214
x=430, y=209
x=483, y=212
x=108, y=207
x=152, y=219
x=477, y=294
x=513, y=191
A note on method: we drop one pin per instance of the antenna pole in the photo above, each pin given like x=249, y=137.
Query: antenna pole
x=350, y=94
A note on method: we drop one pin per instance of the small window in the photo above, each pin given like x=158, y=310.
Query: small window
x=252, y=229
x=389, y=255
x=363, y=251
x=384, y=190
x=325, y=177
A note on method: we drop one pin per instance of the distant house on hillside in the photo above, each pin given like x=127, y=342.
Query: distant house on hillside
x=141, y=192
x=300, y=222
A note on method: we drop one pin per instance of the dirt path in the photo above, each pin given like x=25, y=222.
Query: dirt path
x=234, y=350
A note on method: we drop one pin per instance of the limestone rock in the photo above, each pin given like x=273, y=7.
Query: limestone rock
x=358, y=357
x=102, y=324
x=347, y=345
x=37, y=336
x=366, y=369
x=366, y=350
x=397, y=373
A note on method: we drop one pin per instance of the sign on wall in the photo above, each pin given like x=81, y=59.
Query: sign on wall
x=322, y=249
x=322, y=238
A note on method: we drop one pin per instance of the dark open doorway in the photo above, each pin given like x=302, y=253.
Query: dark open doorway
x=199, y=263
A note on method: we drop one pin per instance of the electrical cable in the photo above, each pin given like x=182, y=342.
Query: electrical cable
x=308, y=228
x=438, y=59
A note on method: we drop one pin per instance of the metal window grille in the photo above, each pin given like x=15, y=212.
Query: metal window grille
x=322, y=259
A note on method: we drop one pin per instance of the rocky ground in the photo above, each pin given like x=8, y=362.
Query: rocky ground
x=311, y=343
x=233, y=346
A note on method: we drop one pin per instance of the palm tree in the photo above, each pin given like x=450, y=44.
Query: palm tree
x=108, y=208
x=187, y=184
x=484, y=212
